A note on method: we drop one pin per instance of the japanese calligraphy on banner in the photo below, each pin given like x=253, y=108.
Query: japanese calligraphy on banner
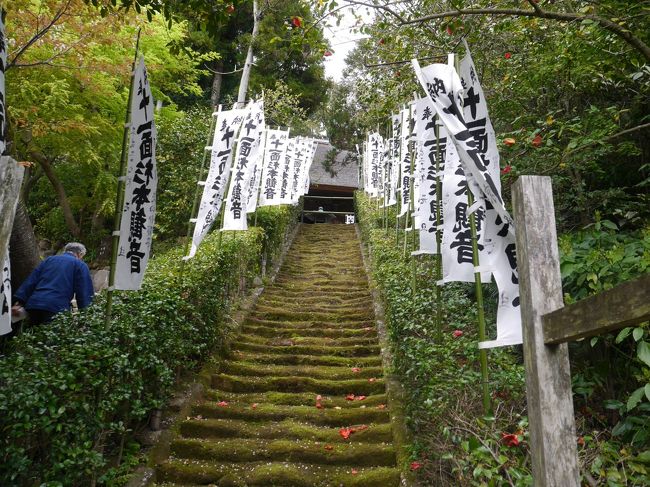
x=254, y=188
x=226, y=129
x=309, y=159
x=5, y=296
x=499, y=242
x=394, y=156
x=442, y=84
x=287, y=172
x=139, y=211
x=3, y=66
x=374, y=151
x=274, y=177
x=472, y=139
x=426, y=175
x=248, y=145
x=404, y=186
x=299, y=156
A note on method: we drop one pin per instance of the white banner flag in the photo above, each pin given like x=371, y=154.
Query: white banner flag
x=299, y=155
x=404, y=187
x=254, y=188
x=500, y=244
x=275, y=165
x=309, y=159
x=226, y=129
x=287, y=172
x=139, y=211
x=3, y=65
x=374, y=151
x=5, y=296
x=426, y=198
x=443, y=86
x=248, y=146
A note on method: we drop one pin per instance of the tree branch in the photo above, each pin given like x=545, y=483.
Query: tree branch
x=606, y=24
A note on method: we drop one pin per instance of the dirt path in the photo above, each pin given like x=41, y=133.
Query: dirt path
x=302, y=400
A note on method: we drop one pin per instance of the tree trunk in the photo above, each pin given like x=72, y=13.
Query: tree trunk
x=23, y=247
x=217, y=81
x=246, y=73
x=11, y=177
x=61, y=196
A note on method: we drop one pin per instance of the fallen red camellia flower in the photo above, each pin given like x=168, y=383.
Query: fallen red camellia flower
x=319, y=398
x=507, y=55
x=254, y=405
x=359, y=398
x=329, y=447
x=345, y=433
x=222, y=403
x=349, y=397
x=356, y=370
x=296, y=21
x=581, y=441
x=230, y=8
x=415, y=465
x=509, y=439
x=381, y=406
x=537, y=141
x=506, y=169
x=449, y=31
x=354, y=471
x=509, y=141
x=457, y=333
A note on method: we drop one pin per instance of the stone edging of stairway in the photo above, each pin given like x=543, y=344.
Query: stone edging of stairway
x=394, y=389
x=180, y=404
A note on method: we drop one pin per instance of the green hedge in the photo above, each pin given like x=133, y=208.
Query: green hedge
x=69, y=391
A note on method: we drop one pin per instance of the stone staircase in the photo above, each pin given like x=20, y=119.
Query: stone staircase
x=301, y=400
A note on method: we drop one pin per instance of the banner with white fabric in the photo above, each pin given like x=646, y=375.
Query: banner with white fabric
x=443, y=85
x=5, y=296
x=254, y=188
x=499, y=243
x=299, y=160
x=426, y=181
x=405, y=162
x=139, y=210
x=374, y=150
x=3, y=108
x=274, y=167
x=395, y=158
x=287, y=172
x=248, y=146
x=388, y=172
x=309, y=160
x=226, y=129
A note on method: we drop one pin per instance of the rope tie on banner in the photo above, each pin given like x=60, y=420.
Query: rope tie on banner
x=208, y=148
x=201, y=183
x=116, y=233
x=477, y=204
x=193, y=220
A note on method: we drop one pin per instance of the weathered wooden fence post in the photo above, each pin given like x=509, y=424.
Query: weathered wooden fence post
x=548, y=378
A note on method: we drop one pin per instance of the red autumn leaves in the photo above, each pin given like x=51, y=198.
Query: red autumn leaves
x=346, y=432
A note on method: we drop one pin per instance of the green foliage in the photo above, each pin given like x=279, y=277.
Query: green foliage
x=71, y=389
x=440, y=372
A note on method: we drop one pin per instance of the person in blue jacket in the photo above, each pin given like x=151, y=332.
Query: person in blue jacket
x=50, y=287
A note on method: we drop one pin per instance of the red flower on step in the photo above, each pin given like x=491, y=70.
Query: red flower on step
x=319, y=398
x=354, y=471
x=356, y=370
x=222, y=404
x=359, y=398
x=345, y=433
x=507, y=55
x=296, y=21
x=329, y=447
x=349, y=397
x=509, y=439
x=537, y=141
x=506, y=169
x=415, y=465
x=254, y=405
x=457, y=333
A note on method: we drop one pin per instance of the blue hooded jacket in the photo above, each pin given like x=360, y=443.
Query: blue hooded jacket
x=51, y=286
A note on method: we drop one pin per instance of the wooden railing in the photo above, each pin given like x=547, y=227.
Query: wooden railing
x=548, y=325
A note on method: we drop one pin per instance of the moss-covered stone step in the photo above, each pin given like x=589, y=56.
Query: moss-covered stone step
x=295, y=399
x=254, y=320
x=320, y=341
x=316, y=301
x=354, y=351
x=234, y=383
x=275, y=474
x=342, y=307
x=340, y=418
x=321, y=288
x=340, y=315
x=290, y=359
x=287, y=429
x=246, y=368
x=338, y=292
x=289, y=331
x=313, y=452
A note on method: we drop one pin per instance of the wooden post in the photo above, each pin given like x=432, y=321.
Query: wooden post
x=548, y=378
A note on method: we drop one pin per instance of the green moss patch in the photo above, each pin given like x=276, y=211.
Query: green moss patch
x=234, y=383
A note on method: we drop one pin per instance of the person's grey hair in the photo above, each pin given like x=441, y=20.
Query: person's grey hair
x=75, y=248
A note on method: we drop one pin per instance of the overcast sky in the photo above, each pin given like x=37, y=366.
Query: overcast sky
x=342, y=40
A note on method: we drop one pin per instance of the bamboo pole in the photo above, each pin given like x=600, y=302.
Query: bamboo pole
x=439, y=307
x=119, y=197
